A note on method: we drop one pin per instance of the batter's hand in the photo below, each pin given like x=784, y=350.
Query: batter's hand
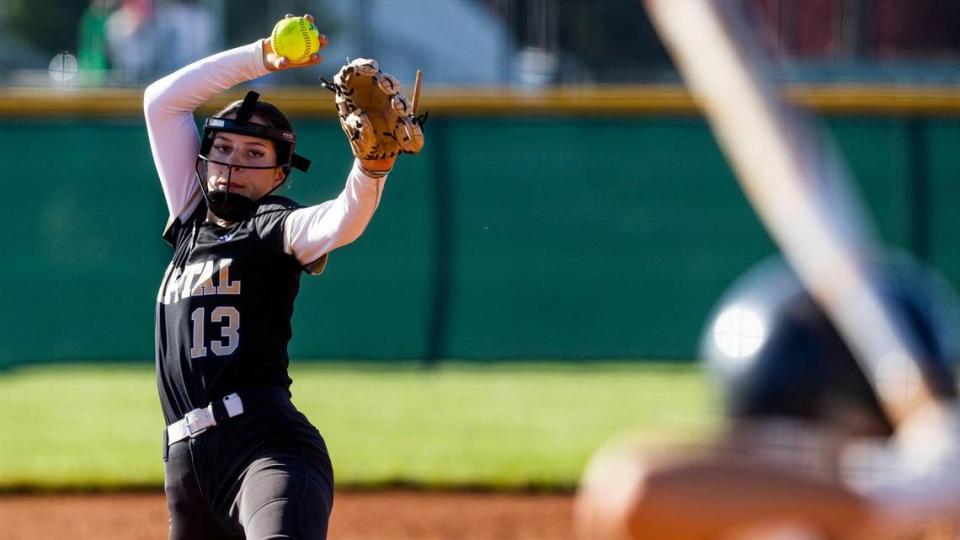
x=275, y=62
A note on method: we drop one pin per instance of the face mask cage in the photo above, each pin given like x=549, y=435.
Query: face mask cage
x=223, y=203
x=233, y=206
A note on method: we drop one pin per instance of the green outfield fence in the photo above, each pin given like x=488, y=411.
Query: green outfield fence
x=570, y=224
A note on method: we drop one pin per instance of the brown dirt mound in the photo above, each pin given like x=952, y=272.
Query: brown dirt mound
x=397, y=515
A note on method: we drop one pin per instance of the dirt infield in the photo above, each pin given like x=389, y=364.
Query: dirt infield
x=395, y=515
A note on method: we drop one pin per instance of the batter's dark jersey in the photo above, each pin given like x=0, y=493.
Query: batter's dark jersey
x=224, y=307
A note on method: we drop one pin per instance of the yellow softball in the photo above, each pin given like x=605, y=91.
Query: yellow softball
x=295, y=38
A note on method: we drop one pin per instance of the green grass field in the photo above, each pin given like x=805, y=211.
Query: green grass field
x=499, y=426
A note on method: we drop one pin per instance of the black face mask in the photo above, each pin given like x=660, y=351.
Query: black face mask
x=224, y=204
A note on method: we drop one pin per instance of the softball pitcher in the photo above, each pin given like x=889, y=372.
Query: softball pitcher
x=240, y=461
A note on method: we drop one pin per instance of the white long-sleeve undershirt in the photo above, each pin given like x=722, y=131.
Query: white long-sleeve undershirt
x=310, y=232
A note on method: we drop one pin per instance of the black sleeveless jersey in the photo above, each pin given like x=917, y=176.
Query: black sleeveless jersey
x=224, y=307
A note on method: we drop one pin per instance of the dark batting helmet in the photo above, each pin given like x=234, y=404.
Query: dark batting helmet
x=777, y=355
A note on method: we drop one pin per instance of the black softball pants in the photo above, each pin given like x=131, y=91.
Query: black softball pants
x=258, y=476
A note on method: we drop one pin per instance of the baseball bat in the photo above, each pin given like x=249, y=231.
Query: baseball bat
x=798, y=186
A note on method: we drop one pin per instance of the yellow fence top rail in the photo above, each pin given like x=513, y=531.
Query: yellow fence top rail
x=633, y=100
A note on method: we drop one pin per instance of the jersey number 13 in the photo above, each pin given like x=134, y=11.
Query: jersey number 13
x=229, y=332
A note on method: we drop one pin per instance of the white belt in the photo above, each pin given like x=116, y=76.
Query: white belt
x=199, y=420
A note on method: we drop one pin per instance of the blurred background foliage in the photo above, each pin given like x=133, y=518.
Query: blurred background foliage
x=528, y=43
x=47, y=34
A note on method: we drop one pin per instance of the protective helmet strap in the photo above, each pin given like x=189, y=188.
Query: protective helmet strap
x=249, y=105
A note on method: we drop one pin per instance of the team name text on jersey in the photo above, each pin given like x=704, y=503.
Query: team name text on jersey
x=197, y=279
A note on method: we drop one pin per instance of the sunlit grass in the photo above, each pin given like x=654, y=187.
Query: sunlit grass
x=502, y=425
